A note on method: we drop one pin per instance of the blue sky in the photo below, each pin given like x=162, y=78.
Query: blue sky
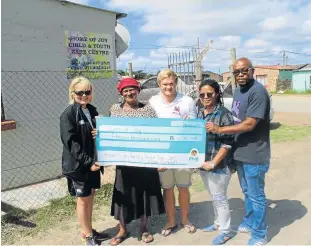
x=260, y=30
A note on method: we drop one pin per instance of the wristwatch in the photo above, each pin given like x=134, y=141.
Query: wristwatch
x=212, y=164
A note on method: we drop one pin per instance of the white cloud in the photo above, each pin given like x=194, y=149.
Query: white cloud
x=254, y=43
x=306, y=50
x=126, y=56
x=229, y=41
x=258, y=29
x=275, y=23
x=306, y=27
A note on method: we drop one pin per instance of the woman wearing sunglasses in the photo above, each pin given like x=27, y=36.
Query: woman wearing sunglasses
x=78, y=159
x=215, y=171
x=137, y=190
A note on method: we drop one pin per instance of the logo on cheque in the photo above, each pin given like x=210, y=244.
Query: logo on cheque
x=194, y=155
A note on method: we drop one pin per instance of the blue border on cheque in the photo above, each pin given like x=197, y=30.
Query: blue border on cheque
x=151, y=142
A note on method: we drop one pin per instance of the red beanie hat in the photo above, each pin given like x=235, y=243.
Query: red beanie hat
x=127, y=82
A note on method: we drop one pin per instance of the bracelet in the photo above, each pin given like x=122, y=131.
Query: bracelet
x=212, y=164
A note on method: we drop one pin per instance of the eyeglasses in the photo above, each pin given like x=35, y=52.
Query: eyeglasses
x=81, y=93
x=243, y=71
x=208, y=95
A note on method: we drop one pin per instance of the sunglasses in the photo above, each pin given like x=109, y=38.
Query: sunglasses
x=242, y=71
x=208, y=95
x=81, y=93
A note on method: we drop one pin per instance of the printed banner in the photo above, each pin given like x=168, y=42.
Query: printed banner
x=90, y=55
x=151, y=142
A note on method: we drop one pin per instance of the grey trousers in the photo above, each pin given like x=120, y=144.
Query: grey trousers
x=216, y=182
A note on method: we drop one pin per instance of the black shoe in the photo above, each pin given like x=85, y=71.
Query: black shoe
x=101, y=236
x=90, y=240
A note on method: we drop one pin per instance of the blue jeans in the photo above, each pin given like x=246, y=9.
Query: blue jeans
x=252, y=182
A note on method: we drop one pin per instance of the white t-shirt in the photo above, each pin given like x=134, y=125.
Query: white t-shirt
x=181, y=107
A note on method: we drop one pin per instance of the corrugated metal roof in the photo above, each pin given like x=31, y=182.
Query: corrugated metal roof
x=299, y=67
x=307, y=67
x=279, y=67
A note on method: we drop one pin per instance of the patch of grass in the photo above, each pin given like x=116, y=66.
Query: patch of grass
x=19, y=224
x=289, y=92
x=297, y=92
x=290, y=133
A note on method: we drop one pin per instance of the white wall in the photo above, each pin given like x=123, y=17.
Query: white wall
x=301, y=80
x=33, y=35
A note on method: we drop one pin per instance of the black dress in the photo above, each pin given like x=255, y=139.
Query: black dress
x=137, y=190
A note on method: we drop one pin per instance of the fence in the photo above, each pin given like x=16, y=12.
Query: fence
x=31, y=153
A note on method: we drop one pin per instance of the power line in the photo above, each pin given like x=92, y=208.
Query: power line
x=297, y=53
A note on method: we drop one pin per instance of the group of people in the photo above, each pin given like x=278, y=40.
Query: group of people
x=236, y=141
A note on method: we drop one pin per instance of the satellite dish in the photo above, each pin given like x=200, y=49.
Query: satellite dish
x=122, y=39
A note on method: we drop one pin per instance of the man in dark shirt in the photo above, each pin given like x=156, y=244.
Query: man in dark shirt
x=250, y=108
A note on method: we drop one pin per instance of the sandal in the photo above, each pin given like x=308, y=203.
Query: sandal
x=222, y=238
x=189, y=228
x=119, y=239
x=147, y=237
x=210, y=228
x=168, y=230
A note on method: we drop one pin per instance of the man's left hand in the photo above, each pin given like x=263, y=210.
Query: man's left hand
x=212, y=127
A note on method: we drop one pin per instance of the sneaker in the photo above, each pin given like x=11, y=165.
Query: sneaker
x=98, y=235
x=244, y=229
x=257, y=242
x=90, y=240
x=222, y=238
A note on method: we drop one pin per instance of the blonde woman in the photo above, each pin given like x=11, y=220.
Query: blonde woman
x=78, y=159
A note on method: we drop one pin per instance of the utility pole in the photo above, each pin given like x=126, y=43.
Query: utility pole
x=284, y=57
x=130, y=70
x=198, y=67
x=286, y=61
x=198, y=62
x=232, y=78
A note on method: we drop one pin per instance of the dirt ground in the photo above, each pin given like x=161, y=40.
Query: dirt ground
x=292, y=119
x=288, y=192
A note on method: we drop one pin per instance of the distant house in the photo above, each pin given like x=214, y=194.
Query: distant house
x=273, y=77
x=301, y=79
x=211, y=75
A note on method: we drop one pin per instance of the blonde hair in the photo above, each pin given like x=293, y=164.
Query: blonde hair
x=166, y=73
x=73, y=84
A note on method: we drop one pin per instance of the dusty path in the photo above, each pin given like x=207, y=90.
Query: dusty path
x=288, y=190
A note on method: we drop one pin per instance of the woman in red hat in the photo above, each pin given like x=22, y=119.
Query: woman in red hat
x=137, y=190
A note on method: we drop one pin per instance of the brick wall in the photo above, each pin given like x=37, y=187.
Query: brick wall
x=225, y=76
x=272, y=77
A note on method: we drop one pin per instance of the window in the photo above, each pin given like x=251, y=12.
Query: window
x=150, y=83
x=227, y=91
x=262, y=79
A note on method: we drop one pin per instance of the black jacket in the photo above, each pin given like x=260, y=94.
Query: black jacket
x=78, y=143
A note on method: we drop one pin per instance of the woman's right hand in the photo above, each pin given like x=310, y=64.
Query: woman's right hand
x=95, y=167
x=94, y=132
x=162, y=169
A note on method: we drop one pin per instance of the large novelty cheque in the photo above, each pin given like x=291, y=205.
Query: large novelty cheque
x=151, y=142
